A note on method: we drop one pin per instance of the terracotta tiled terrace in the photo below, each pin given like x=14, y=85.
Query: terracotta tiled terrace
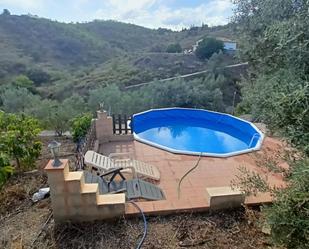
x=211, y=172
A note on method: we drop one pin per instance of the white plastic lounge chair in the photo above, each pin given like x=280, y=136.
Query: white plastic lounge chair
x=103, y=163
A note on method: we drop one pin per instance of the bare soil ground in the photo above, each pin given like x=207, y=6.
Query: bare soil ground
x=27, y=225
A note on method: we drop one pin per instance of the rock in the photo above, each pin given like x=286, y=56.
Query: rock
x=266, y=229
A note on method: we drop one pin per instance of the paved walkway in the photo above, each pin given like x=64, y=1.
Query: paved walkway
x=211, y=172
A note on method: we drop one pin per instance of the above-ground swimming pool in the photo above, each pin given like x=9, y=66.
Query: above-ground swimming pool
x=196, y=132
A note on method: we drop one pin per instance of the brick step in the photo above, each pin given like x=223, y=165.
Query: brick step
x=73, y=199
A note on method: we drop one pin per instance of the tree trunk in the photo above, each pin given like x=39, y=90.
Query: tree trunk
x=17, y=162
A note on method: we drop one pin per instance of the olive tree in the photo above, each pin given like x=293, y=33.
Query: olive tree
x=274, y=37
x=18, y=99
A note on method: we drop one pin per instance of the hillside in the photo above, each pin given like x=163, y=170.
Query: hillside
x=125, y=71
x=40, y=47
x=52, y=70
x=49, y=44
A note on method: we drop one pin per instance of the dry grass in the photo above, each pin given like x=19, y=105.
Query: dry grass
x=219, y=230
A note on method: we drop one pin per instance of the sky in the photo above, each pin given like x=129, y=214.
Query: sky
x=173, y=14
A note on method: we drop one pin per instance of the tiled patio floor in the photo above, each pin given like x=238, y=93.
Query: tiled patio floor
x=211, y=172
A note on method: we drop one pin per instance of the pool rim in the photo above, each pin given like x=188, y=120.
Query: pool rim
x=208, y=154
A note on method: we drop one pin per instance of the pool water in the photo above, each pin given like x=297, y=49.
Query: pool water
x=194, y=135
x=196, y=131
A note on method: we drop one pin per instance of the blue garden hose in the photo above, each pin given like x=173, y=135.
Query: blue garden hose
x=140, y=243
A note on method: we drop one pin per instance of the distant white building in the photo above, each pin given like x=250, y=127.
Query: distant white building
x=230, y=46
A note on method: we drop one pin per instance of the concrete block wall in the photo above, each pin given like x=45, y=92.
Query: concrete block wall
x=74, y=200
x=104, y=129
x=224, y=197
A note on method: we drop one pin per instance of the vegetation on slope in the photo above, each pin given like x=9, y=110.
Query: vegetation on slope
x=275, y=40
x=32, y=45
x=174, y=48
x=18, y=136
x=215, y=90
x=207, y=47
x=55, y=71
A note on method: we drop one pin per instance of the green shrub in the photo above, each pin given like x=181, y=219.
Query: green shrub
x=60, y=114
x=288, y=217
x=281, y=100
x=274, y=40
x=174, y=48
x=207, y=47
x=19, y=139
x=80, y=126
x=5, y=168
x=22, y=81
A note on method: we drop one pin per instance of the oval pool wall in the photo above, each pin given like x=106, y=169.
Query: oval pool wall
x=196, y=132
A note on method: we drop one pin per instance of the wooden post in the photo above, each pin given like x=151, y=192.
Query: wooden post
x=125, y=124
x=119, y=124
x=131, y=125
x=114, y=124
